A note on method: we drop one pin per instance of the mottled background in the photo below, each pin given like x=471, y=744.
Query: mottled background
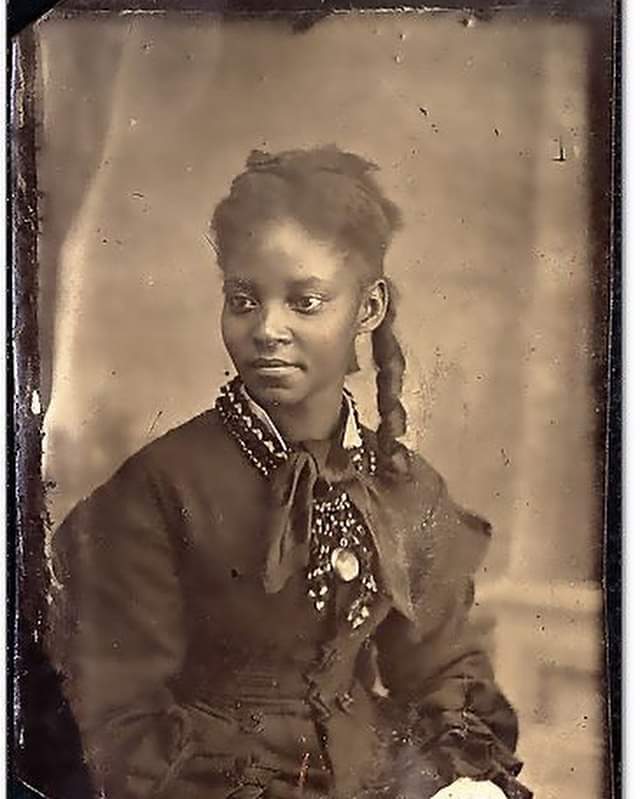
x=481, y=131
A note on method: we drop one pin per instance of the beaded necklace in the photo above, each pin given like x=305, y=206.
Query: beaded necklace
x=341, y=547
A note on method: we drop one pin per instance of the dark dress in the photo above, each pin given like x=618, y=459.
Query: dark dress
x=188, y=680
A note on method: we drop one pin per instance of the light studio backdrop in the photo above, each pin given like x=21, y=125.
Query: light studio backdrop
x=483, y=129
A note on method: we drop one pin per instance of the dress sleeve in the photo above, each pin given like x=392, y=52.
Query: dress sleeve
x=437, y=671
x=117, y=636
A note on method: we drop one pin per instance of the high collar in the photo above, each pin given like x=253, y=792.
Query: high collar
x=350, y=440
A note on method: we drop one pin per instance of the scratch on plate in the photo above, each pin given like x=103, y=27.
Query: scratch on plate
x=154, y=423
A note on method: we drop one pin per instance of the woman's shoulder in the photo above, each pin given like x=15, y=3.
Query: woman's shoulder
x=416, y=474
x=440, y=526
x=199, y=432
x=198, y=446
x=201, y=438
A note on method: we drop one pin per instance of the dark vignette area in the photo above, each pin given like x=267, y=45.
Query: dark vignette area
x=305, y=12
x=607, y=85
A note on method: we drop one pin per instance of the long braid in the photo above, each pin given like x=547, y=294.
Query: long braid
x=390, y=367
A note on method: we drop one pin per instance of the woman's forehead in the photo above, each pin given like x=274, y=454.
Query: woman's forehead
x=285, y=250
x=290, y=237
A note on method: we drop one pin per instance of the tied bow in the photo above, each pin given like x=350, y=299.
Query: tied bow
x=289, y=529
x=299, y=479
x=295, y=485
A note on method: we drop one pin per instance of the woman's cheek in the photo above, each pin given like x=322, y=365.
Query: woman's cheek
x=329, y=336
x=334, y=345
x=235, y=333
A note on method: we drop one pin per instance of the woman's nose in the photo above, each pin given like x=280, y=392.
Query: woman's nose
x=272, y=328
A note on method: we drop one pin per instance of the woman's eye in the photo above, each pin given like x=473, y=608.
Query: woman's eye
x=241, y=303
x=307, y=304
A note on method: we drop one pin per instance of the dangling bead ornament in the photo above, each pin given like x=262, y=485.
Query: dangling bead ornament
x=340, y=548
x=340, y=539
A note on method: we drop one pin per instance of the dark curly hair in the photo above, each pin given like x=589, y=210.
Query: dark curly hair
x=334, y=196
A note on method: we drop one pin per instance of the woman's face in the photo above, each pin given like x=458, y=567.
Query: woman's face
x=292, y=309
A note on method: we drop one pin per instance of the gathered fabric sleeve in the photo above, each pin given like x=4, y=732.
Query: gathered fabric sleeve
x=458, y=722
x=117, y=634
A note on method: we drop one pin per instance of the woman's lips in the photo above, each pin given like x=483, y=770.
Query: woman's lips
x=273, y=367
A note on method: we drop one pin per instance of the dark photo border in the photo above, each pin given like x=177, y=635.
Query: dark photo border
x=43, y=748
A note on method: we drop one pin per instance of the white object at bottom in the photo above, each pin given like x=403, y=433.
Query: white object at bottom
x=465, y=788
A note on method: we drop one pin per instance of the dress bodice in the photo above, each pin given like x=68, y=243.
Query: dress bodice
x=187, y=678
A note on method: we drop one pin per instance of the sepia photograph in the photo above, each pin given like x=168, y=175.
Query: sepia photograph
x=312, y=388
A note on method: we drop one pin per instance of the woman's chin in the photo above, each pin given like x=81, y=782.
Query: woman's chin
x=276, y=392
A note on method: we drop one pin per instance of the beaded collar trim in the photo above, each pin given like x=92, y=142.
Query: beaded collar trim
x=341, y=548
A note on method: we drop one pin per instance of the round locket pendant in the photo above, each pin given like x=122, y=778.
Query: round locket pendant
x=345, y=564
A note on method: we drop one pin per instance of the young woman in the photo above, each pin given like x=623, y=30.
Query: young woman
x=271, y=600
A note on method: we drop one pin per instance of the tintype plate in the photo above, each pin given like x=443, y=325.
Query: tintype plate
x=494, y=129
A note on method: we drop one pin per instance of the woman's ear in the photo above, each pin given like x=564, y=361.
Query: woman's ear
x=374, y=306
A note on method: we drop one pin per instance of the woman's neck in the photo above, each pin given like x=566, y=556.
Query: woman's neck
x=315, y=419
